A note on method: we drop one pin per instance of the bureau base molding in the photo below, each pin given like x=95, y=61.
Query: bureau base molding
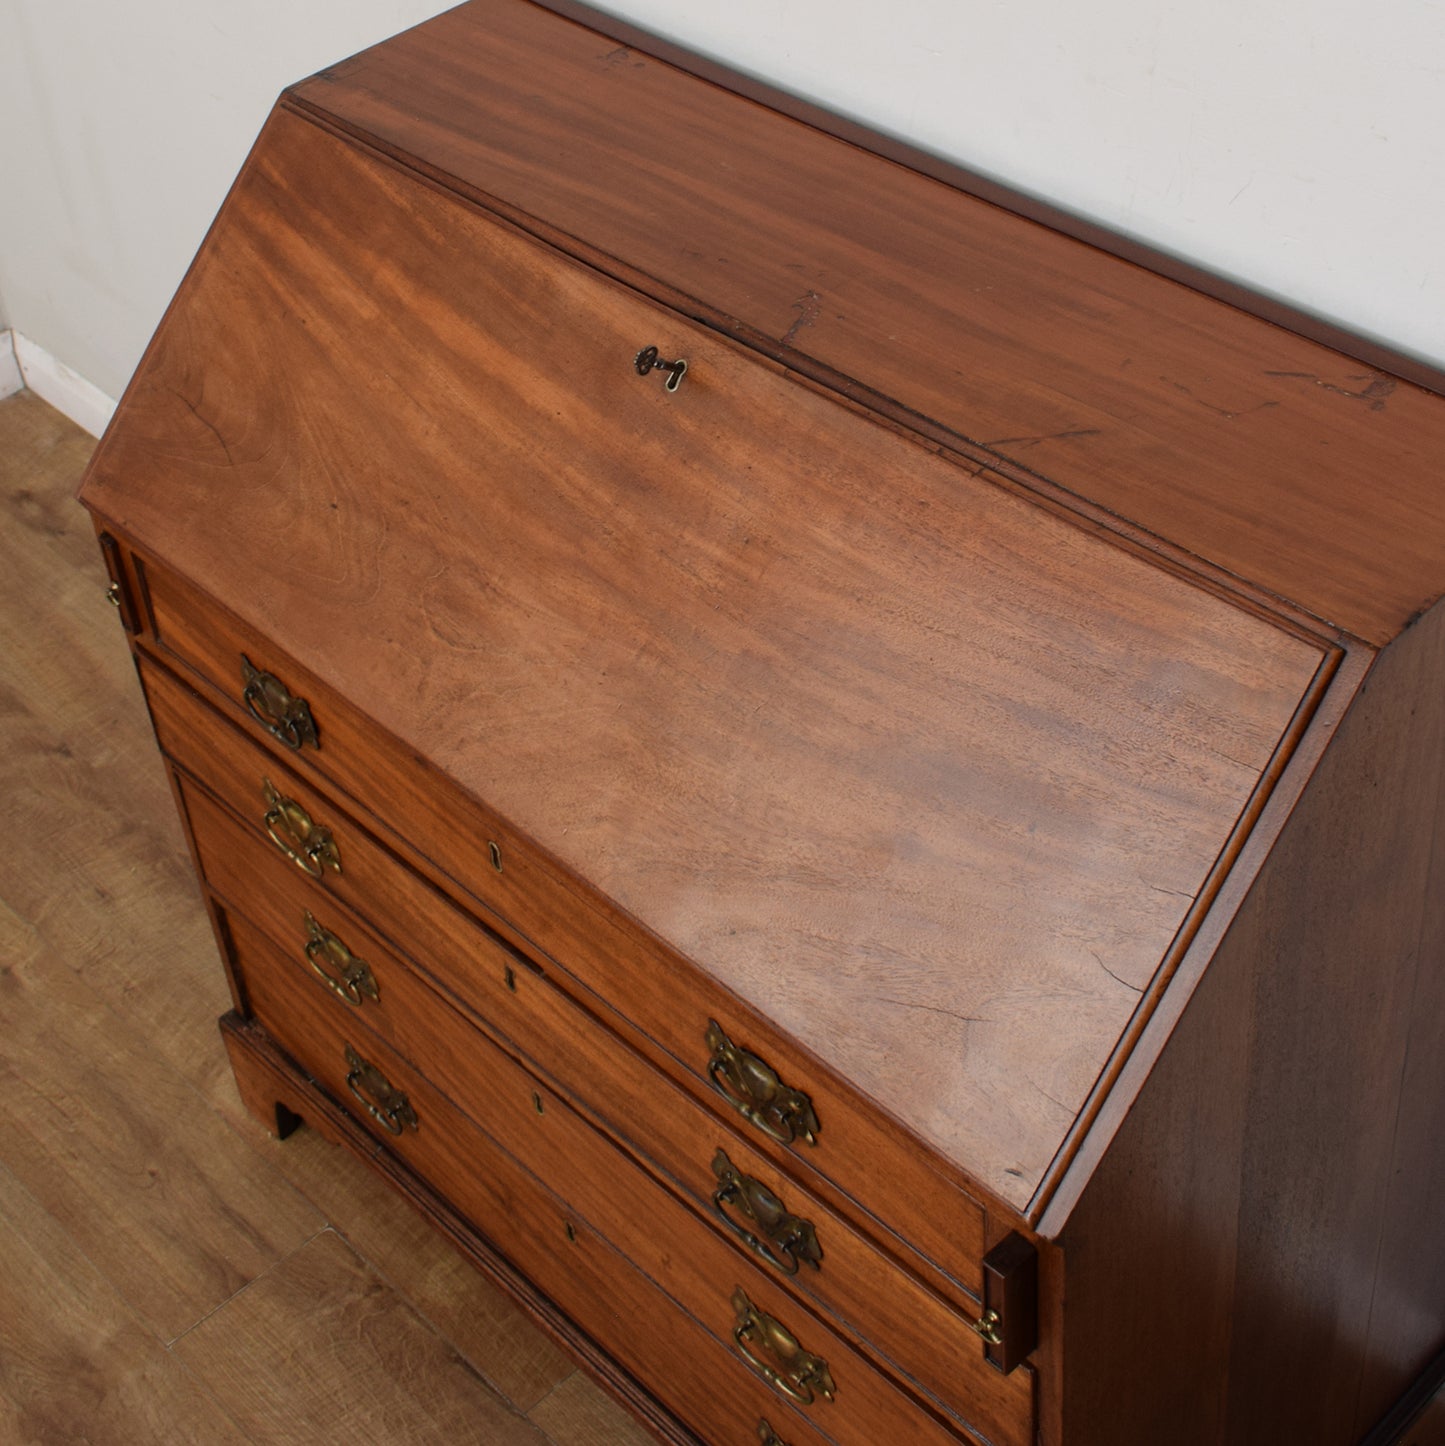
x=282, y=1099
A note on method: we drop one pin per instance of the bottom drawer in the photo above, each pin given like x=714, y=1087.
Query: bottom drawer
x=675, y=1358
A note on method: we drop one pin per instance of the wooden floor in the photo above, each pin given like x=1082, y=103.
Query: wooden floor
x=169, y=1273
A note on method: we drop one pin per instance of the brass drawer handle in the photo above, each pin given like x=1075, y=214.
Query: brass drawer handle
x=768, y=1436
x=647, y=360
x=772, y=1350
x=989, y=1326
x=386, y=1104
x=753, y=1089
x=308, y=845
x=764, y=1226
x=336, y=966
x=270, y=703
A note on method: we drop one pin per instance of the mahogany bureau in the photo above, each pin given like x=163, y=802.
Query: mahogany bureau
x=839, y=778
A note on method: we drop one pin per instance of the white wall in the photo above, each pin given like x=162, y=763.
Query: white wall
x=122, y=123
x=1298, y=145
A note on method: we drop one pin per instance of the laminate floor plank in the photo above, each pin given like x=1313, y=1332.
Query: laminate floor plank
x=578, y=1414
x=499, y=1342
x=74, y=1364
x=322, y=1350
x=171, y=1204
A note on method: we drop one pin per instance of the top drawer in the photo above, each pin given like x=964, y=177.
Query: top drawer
x=909, y=782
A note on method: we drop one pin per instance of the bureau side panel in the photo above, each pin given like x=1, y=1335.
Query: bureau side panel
x=1408, y=1311
x=1141, y=1301
x=1221, y=1265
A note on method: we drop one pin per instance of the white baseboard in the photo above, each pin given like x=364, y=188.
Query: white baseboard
x=10, y=378
x=54, y=382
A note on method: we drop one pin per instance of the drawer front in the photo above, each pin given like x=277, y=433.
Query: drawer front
x=855, y=1152
x=633, y=1321
x=925, y=1338
x=646, y=1223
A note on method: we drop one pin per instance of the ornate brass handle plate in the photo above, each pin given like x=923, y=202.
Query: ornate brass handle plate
x=753, y=1088
x=271, y=704
x=336, y=966
x=761, y=1220
x=773, y=1351
x=308, y=845
x=386, y=1104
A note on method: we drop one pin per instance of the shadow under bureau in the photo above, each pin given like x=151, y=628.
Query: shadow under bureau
x=838, y=781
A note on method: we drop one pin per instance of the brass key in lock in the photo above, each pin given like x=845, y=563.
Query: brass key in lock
x=647, y=360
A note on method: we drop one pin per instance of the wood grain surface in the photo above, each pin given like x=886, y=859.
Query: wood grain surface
x=1235, y=440
x=369, y=1366
x=604, y=957
x=134, y=1192
x=578, y=1414
x=617, y=1320
x=75, y=1365
x=983, y=761
x=160, y=1194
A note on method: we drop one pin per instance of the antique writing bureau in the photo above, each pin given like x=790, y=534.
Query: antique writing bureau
x=841, y=784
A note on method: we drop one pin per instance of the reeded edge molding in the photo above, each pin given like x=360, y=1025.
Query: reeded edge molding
x=54, y=382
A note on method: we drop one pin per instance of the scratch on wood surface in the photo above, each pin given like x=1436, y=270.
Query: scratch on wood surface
x=1210, y=406
x=1054, y=1100
x=621, y=56
x=191, y=407
x=1046, y=437
x=807, y=306
x=1173, y=893
x=1117, y=978
x=935, y=1009
x=1373, y=395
